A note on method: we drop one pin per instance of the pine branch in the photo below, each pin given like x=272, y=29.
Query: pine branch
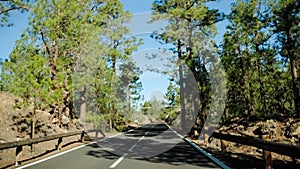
x=45, y=43
x=9, y=9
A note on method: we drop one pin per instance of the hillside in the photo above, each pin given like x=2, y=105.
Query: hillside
x=15, y=122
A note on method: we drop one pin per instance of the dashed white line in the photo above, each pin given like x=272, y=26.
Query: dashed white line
x=130, y=150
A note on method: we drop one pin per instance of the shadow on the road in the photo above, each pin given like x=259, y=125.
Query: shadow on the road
x=167, y=148
x=147, y=131
x=182, y=153
x=99, y=153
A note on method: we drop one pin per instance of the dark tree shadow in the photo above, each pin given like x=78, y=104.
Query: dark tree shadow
x=176, y=154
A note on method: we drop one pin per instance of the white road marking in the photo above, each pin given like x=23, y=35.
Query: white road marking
x=55, y=155
x=132, y=147
x=130, y=150
x=61, y=153
x=174, y=131
x=118, y=161
x=75, y=148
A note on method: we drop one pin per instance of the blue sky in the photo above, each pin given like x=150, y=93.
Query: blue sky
x=141, y=10
x=154, y=82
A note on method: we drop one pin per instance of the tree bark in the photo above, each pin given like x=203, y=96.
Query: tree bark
x=293, y=63
x=56, y=53
x=33, y=127
x=110, y=125
x=246, y=105
x=181, y=88
x=82, y=115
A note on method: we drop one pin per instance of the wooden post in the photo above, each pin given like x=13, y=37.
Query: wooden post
x=59, y=144
x=196, y=134
x=294, y=161
x=206, y=139
x=19, y=155
x=223, y=142
x=96, y=136
x=267, y=156
x=82, y=137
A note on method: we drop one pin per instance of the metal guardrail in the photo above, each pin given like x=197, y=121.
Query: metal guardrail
x=280, y=148
x=19, y=144
x=37, y=140
x=264, y=144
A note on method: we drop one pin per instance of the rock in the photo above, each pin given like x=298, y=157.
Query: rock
x=240, y=128
x=65, y=120
x=133, y=125
x=264, y=128
x=295, y=129
x=55, y=120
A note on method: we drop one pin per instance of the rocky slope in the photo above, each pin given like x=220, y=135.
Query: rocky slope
x=15, y=123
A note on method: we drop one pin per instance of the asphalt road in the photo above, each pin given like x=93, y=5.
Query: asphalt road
x=153, y=146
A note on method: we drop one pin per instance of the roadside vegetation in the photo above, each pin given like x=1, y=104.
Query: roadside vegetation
x=73, y=64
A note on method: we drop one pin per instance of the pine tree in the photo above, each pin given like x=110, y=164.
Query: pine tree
x=256, y=72
x=286, y=21
x=26, y=76
x=116, y=36
x=6, y=6
x=191, y=23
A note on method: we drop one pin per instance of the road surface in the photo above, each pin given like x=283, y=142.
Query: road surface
x=153, y=146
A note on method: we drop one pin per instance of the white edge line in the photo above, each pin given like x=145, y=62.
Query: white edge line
x=174, y=131
x=61, y=153
x=208, y=155
x=53, y=156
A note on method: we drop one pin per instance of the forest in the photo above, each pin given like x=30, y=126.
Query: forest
x=74, y=59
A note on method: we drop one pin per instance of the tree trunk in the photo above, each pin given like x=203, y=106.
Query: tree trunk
x=181, y=82
x=32, y=128
x=128, y=114
x=110, y=125
x=293, y=63
x=295, y=86
x=82, y=116
x=114, y=59
x=260, y=75
x=246, y=105
x=56, y=53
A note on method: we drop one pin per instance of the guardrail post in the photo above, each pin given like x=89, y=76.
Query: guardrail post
x=19, y=155
x=294, y=161
x=59, y=143
x=223, y=142
x=82, y=137
x=96, y=136
x=267, y=156
x=206, y=137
